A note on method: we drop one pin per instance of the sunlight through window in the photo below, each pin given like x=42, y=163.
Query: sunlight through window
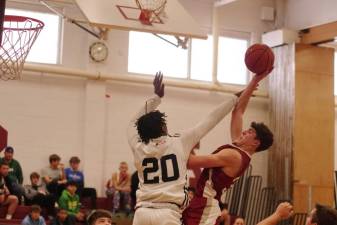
x=47, y=46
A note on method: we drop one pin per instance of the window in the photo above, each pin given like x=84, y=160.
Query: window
x=231, y=65
x=149, y=54
x=202, y=59
x=47, y=46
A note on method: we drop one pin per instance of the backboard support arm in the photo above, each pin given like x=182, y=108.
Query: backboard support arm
x=101, y=35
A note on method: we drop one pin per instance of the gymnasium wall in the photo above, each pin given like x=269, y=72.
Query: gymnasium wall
x=46, y=114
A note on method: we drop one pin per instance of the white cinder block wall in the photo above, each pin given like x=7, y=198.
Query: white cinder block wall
x=46, y=115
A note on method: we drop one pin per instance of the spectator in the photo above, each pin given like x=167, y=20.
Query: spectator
x=14, y=188
x=320, y=215
x=74, y=174
x=6, y=198
x=239, y=221
x=53, y=175
x=70, y=201
x=37, y=194
x=99, y=217
x=34, y=217
x=120, y=186
x=15, y=171
x=134, y=188
x=62, y=218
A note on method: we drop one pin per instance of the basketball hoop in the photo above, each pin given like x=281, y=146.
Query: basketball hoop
x=150, y=10
x=19, y=34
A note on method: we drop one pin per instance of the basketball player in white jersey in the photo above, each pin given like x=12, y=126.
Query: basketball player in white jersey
x=161, y=160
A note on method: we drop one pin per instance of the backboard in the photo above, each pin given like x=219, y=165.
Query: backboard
x=123, y=15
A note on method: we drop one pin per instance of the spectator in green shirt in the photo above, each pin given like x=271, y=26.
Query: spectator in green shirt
x=70, y=201
x=15, y=171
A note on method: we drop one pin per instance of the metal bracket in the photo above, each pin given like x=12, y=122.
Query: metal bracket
x=103, y=33
x=180, y=42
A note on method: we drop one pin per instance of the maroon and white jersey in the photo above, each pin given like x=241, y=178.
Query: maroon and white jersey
x=204, y=207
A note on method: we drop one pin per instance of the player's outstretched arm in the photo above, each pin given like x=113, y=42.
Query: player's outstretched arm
x=240, y=107
x=192, y=136
x=150, y=105
x=284, y=211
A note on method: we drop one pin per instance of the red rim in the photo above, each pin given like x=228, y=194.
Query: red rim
x=9, y=18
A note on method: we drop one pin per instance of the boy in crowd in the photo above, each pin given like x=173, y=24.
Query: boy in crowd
x=53, y=175
x=34, y=217
x=62, y=218
x=120, y=187
x=74, y=174
x=37, y=193
x=70, y=201
x=15, y=170
x=99, y=217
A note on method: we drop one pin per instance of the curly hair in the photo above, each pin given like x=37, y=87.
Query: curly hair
x=151, y=125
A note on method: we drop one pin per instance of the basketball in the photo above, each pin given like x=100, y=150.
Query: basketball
x=259, y=58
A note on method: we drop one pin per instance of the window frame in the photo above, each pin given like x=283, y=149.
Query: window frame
x=222, y=33
x=235, y=35
x=41, y=9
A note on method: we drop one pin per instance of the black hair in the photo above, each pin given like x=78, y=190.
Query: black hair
x=151, y=125
x=71, y=183
x=34, y=174
x=264, y=135
x=324, y=215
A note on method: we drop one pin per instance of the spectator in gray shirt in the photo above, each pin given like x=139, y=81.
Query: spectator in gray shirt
x=53, y=176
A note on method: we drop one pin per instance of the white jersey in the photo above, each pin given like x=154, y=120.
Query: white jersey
x=162, y=163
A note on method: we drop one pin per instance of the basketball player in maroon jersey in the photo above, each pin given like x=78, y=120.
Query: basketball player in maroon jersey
x=227, y=163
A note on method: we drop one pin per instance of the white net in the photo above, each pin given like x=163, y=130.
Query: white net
x=18, y=36
x=152, y=5
x=151, y=10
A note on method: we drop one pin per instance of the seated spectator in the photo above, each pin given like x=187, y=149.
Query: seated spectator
x=37, y=194
x=7, y=199
x=99, y=217
x=14, y=188
x=120, y=186
x=239, y=221
x=74, y=174
x=70, y=201
x=53, y=175
x=34, y=217
x=62, y=218
x=15, y=171
x=320, y=215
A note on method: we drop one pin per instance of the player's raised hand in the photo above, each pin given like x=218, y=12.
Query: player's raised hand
x=284, y=210
x=158, y=84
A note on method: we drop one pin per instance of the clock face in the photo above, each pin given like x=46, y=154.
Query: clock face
x=98, y=52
